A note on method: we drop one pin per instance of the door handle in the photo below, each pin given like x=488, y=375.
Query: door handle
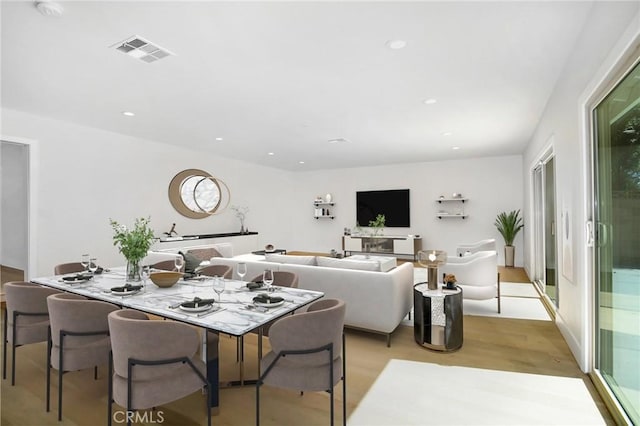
x=589, y=233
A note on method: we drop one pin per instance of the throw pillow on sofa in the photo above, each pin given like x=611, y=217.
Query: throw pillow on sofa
x=284, y=258
x=362, y=265
x=191, y=263
x=205, y=253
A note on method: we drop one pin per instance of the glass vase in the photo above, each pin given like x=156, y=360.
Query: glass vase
x=133, y=270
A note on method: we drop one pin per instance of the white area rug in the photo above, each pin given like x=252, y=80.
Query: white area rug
x=416, y=393
x=519, y=300
x=518, y=290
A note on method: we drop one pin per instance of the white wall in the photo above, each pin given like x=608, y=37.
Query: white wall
x=491, y=184
x=87, y=176
x=607, y=33
x=14, y=160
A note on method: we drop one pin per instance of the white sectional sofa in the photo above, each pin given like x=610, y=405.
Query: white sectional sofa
x=376, y=301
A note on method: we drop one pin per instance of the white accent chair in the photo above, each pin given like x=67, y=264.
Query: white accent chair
x=477, y=275
x=482, y=245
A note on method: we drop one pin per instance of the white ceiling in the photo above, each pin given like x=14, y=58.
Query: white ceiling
x=285, y=77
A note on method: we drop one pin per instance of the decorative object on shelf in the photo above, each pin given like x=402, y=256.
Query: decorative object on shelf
x=269, y=248
x=450, y=281
x=450, y=207
x=322, y=208
x=431, y=259
x=241, y=214
x=509, y=224
x=171, y=232
x=133, y=244
x=377, y=224
x=196, y=194
x=328, y=198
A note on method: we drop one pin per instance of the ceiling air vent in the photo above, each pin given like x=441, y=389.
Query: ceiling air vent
x=339, y=140
x=138, y=47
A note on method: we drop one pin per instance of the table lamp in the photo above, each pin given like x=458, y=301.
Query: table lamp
x=431, y=259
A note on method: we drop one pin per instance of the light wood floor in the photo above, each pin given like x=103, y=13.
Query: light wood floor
x=493, y=343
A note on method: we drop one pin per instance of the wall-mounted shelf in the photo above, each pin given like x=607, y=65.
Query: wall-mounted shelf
x=322, y=210
x=451, y=208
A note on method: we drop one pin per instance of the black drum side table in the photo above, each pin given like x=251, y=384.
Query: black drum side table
x=437, y=317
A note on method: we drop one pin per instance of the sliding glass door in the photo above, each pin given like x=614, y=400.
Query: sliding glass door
x=544, y=197
x=616, y=174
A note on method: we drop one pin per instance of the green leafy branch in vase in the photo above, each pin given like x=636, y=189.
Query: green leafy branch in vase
x=377, y=224
x=134, y=244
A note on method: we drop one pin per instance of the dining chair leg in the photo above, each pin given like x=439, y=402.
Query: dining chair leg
x=4, y=344
x=331, y=381
x=258, y=402
x=49, y=344
x=95, y=372
x=110, y=390
x=60, y=370
x=13, y=349
x=344, y=382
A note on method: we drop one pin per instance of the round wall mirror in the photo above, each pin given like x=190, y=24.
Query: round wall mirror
x=196, y=194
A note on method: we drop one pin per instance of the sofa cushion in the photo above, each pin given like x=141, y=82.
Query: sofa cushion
x=191, y=262
x=205, y=253
x=298, y=260
x=362, y=265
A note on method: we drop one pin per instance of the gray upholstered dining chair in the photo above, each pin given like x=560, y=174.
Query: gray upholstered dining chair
x=166, y=265
x=307, y=353
x=68, y=268
x=79, y=337
x=26, y=319
x=281, y=278
x=224, y=271
x=153, y=362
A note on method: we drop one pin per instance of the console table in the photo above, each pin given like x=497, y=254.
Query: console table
x=407, y=245
x=437, y=317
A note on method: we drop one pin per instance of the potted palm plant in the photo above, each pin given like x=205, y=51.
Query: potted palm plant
x=509, y=224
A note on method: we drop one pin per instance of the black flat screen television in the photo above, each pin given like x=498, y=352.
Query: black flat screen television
x=393, y=204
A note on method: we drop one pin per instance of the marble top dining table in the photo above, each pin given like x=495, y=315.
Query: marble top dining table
x=234, y=312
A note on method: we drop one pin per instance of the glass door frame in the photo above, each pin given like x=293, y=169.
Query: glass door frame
x=540, y=239
x=592, y=269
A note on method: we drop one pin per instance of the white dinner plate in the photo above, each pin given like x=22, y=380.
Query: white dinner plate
x=124, y=293
x=76, y=280
x=200, y=308
x=269, y=305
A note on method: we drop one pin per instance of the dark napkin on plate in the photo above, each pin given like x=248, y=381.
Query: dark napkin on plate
x=254, y=285
x=197, y=302
x=265, y=298
x=77, y=277
x=126, y=288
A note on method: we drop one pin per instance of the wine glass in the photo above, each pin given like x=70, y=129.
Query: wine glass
x=242, y=270
x=93, y=265
x=218, y=286
x=267, y=279
x=85, y=261
x=179, y=262
x=145, y=271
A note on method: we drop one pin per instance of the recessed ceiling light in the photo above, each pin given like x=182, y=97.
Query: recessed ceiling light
x=301, y=162
x=218, y=139
x=396, y=44
x=128, y=113
x=270, y=153
x=455, y=148
x=447, y=134
x=430, y=101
